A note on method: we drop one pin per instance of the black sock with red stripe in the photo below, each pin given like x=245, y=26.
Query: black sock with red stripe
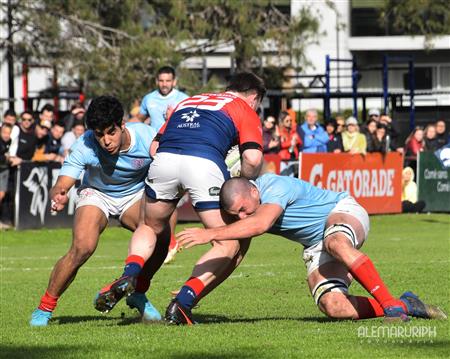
x=189, y=292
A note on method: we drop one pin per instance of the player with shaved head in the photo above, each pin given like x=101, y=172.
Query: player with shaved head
x=331, y=226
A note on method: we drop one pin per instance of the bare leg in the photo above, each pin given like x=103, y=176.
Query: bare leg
x=89, y=223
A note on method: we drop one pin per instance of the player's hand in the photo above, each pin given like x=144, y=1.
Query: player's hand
x=59, y=199
x=190, y=237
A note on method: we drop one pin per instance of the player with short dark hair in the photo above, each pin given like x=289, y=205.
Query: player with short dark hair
x=190, y=157
x=115, y=158
x=331, y=226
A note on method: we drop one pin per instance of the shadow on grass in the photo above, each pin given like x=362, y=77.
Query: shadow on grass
x=430, y=220
x=235, y=354
x=34, y=351
x=216, y=319
x=83, y=319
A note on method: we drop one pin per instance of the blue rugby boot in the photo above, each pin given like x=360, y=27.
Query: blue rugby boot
x=419, y=309
x=148, y=312
x=40, y=318
x=395, y=314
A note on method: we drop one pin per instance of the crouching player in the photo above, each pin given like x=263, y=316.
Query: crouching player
x=115, y=159
x=331, y=226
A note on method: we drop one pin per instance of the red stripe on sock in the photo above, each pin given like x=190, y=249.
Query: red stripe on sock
x=196, y=285
x=368, y=308
x=173, y=241
x=366, y=274
x=48, y=302
x=135, y=259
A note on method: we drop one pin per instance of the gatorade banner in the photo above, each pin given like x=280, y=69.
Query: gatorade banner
x=373, y=180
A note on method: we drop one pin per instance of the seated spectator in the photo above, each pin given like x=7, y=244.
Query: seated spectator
x=53, y=144
x=369, y=130
x=70, y=137
x=47, y=113
x=42, y=134
x=271, y=138
x=25, y=145
x=77, y=112
x=409, y=193
x=289, y=139
x=379, y=143
x=392, y=133
x=353, y=141
x=441, y=133
x=334, y=144
x=313, y=137
x=413, y=145
x=431, y=141
x=340, y=124
x=5, y=142
x=374, y=115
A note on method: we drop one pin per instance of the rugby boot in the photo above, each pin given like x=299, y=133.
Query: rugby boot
x=395, y=314
x=139, y=301
x=40, y=318
x=419, y=309
x=176, y=314
x=110, y=295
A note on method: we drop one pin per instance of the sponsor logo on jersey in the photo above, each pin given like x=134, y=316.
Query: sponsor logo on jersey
x=214, y=191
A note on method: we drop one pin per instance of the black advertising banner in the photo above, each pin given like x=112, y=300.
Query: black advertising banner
x=32, y=199
x=433, y=180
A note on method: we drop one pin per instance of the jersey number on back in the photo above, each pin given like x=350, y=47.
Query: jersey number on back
x=205, y=102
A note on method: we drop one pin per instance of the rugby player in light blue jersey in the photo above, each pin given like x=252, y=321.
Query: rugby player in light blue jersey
x=115, y=159
x=331, y=226
x=158, y=104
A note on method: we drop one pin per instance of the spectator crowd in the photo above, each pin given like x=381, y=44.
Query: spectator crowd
x=40, y=137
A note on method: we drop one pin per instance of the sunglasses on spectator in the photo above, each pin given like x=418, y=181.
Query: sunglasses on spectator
x=28, y=119
x=272, y=122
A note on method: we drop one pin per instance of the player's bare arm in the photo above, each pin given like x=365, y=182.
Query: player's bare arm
x=252, y=160
x=254, y=225
x=58, y=193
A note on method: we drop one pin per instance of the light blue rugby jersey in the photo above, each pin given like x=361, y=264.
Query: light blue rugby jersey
x=155, y=105
x=306, y=207
x=116, y=175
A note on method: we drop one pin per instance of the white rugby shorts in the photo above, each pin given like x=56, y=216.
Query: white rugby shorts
x=316, y=255
x=110, y=206
x=171, y=175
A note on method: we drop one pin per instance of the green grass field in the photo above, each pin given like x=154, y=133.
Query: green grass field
x=263, y=311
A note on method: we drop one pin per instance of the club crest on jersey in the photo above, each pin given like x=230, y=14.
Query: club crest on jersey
x=138, y=163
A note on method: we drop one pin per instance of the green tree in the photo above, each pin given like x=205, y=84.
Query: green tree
x=115, y=46
x=430, y=18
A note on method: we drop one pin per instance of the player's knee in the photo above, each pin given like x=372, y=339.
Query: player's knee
x=333, y=305
x=81, y=253
x=335, y=243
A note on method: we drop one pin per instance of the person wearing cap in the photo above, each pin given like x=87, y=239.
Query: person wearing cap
x=352, y=140
x=374, y=114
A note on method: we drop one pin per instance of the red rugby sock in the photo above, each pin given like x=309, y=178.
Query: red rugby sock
x=368, y=308
x=173, y=241
x=363, y=270
x=48, y=302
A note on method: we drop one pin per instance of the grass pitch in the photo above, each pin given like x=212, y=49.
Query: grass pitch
x=263, y=311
